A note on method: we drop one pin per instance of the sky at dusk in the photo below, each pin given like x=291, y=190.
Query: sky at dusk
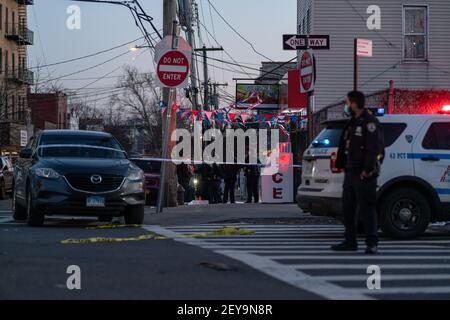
x=104, y=26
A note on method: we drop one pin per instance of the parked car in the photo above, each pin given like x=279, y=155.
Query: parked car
x=414, y=186
x=6, y=177
x=152, y=174
x=77, y=173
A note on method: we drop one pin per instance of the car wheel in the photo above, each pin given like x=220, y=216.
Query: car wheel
x=3, y=194
x=35, y=217
x=105, y=218
x=405, y=214
x=19, y=212
x=134, y=215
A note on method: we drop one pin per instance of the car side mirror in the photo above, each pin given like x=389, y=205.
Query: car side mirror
x=26, y=154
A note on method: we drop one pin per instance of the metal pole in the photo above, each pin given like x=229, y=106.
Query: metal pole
x=190, y=34
x=355, y=65
x=169, y=26
x=205, y=70
x=159, y=206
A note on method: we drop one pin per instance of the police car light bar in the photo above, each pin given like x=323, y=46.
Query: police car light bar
x=445, y=110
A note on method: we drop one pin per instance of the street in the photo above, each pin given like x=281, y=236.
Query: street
x=284, y=258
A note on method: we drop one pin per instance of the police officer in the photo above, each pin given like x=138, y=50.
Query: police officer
x=361, y=151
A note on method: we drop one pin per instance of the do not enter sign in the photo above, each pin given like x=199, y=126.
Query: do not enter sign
x=173, y=69
x=307, y=74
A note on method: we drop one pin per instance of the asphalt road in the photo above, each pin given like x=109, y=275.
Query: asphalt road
x=289, y=261
x=34, y=264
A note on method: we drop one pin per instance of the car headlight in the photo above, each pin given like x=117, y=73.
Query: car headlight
x=47, y=173
x=136, y=176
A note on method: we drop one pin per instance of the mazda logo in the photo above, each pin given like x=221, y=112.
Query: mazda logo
x=96, y=179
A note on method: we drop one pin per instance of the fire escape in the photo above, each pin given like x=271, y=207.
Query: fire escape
x=16, y=30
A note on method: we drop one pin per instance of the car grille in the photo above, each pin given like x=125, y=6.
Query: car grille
x=83, y=182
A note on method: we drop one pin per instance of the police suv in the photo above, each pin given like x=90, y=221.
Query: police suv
x=414, y=185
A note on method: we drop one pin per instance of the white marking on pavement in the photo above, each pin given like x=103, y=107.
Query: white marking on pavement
x=6, y=220
x=274, y=250
x=361, y=257
x=363, y=266
x=293, y=277
x=386, y=277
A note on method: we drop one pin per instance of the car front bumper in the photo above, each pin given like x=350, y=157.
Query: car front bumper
x=323, y=206
x=55, y=197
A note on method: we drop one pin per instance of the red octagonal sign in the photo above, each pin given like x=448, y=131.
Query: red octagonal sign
x=173, y=69
x=307, y=72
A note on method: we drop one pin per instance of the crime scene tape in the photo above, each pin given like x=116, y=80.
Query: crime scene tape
x=196, y=162
x=227, y=232
x=152, y=236
x=115, y=226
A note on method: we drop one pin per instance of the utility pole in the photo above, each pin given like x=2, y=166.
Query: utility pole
x=355, y=64
x=169, y=169
x=204, y=51
x=214, y=87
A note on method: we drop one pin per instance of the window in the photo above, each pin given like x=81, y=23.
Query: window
x=415, y=32
x=329, y=138
x=437, y=137
x=1, y=60
x=6, y=19
x=1, y=16
x=6, y=62
x=391, y=132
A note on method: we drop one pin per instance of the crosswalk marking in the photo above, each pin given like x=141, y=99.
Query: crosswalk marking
x=424, y=265
x=300, y=255
x=388, y=277
x=6, y=220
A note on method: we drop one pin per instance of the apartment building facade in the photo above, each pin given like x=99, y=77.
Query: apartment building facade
x=15, y=77
x=410, y=47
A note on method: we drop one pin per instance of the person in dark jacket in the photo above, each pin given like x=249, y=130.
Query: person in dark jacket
x=184, y=174
x=216, y=180
x=252, y=174
x=360, y=154
x=230, y=177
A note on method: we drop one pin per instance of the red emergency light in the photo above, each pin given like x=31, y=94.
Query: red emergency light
x=445, y=109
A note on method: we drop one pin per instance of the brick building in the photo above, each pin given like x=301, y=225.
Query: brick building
x=48, y=110
x=15, y=78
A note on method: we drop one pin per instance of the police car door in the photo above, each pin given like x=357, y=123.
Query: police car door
x=431, y=153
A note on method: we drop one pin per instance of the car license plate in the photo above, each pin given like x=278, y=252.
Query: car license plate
x=308, y=168
x=95, y=202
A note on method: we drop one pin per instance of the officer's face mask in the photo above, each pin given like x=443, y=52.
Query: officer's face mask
x=348, y=111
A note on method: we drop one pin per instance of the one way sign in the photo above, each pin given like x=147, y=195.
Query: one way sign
x=303, y=42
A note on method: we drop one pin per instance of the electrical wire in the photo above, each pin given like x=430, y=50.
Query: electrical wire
x=237, y=32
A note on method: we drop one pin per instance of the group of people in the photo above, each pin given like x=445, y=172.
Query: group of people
x=217, y=182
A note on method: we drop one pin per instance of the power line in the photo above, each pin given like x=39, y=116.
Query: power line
x=238, y=33
x=86, y=56
x=226, y=52
x=86, y=69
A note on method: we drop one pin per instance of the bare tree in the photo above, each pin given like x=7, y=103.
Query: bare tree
x=140, y=98
x=43, y=84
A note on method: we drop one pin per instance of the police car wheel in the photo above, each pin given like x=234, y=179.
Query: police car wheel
x=405, y=214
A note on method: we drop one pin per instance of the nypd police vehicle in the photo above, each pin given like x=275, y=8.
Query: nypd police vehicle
x=414, y=185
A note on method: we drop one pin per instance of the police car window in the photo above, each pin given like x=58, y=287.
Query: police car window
x=437, y=137
x=329, y=138
x=392, y=132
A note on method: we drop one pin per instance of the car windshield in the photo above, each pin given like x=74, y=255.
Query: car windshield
x=73, y=146
x=329, y=138
x=148, y=166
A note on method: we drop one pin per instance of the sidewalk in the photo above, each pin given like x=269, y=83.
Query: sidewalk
x=229, y=213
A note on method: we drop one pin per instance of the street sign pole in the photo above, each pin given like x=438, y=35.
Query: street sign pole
x=159, y=206
x=166, y=143
x=355, y=65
